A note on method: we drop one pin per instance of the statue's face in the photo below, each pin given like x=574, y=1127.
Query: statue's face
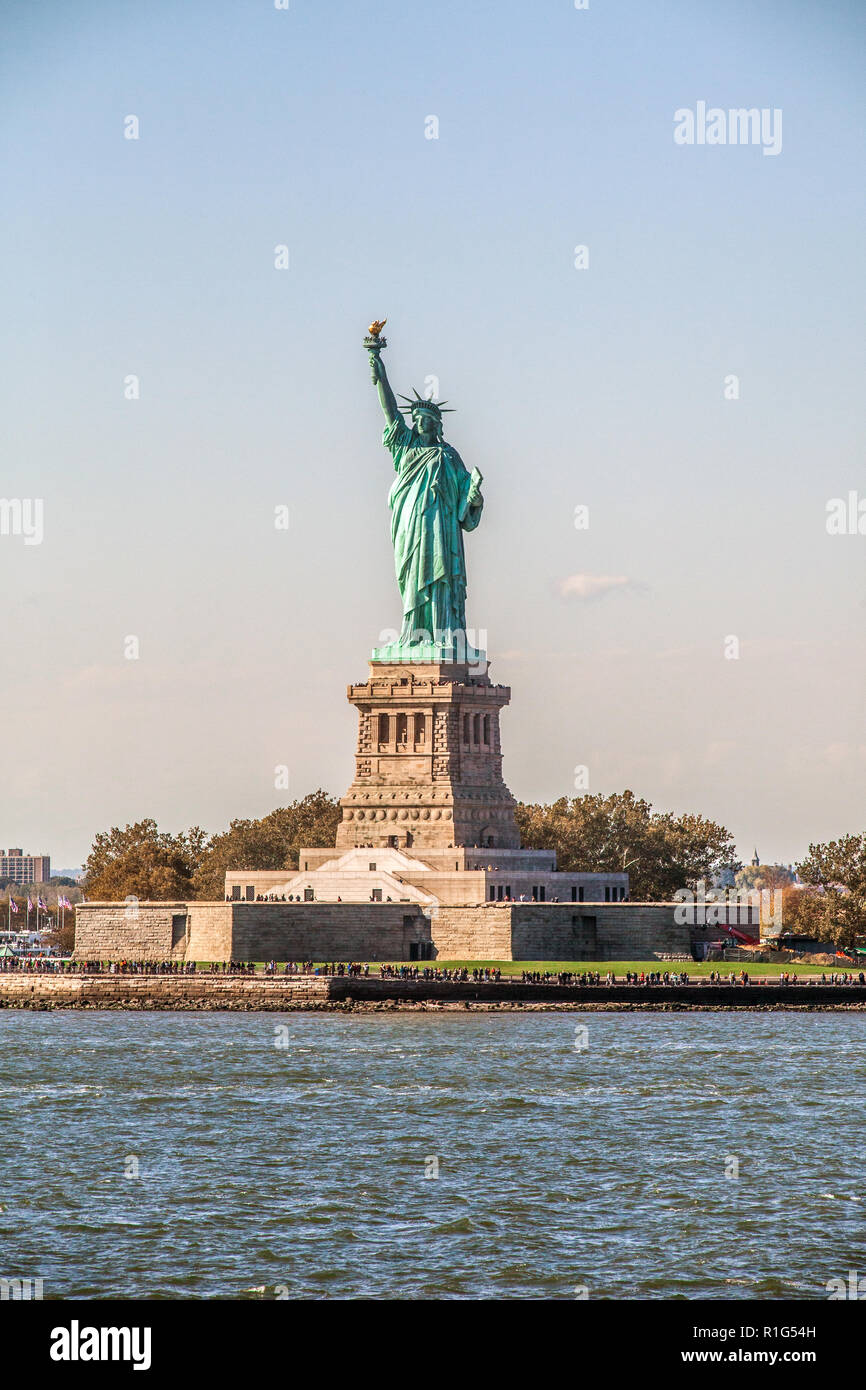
x=428, y=428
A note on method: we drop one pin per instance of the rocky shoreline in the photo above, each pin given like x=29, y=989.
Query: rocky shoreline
x=342, y=994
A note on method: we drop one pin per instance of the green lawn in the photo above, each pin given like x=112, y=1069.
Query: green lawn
x=694, y=969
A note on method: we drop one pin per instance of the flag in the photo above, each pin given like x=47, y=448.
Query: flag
x=43, y=905
x=13, y=905
x=29, y=905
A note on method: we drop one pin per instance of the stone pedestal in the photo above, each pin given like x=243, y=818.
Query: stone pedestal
x=428, y=766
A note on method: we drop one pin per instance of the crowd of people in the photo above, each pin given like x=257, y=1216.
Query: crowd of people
x=41, y=965
x=51, y=965
x=564, y=977
x=654, y=977
x=297, y=898
x=307, y=967
x=268, y=898
x=460, y=975
x=595, y=977
x=142, y=967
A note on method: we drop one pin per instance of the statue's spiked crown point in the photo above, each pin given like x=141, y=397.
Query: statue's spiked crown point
x=423, y=405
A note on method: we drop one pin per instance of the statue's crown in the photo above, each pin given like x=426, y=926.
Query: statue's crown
x=421, y=405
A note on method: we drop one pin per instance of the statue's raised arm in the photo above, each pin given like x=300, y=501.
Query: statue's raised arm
x=374, y=344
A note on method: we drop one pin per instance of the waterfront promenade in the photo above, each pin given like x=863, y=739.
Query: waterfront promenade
x=245, y=991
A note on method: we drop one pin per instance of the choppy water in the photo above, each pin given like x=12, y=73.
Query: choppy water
x=300, y=1171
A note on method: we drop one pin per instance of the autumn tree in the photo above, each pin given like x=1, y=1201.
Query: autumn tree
x=661, y=852
x=143, y=862
x=839, y=863
x=838, y=869
x=63, y=935
x=270, y=843
x=758, y=877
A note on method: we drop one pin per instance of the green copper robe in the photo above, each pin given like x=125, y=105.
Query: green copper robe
x=430, y=510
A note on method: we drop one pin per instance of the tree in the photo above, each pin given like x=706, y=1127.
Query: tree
x=143, y=862
x=838, y=869
x=64, y=936
x=660, y=851
x=802, y=912
x=757, y=877
x=837, y=863
x=845, y=915
x=149, y=864
x=270, y=843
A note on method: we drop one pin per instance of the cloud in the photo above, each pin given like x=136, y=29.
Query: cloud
x=589, y=586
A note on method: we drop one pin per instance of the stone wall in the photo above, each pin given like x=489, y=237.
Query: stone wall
x=133, y=931
x=210, y=932
x=558, y=931
x=250, y=931
x=326, y=931
x=471, y=933
x=597, y=931
x=202, y=991
x=378, y=931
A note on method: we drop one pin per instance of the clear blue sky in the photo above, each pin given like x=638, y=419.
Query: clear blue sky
x=602, y=387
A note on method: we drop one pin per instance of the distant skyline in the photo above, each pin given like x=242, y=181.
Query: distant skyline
x=667, y=335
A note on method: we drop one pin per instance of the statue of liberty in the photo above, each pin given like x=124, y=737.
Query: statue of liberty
x=433, y=500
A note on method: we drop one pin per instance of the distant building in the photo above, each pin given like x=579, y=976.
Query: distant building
x=24, y=868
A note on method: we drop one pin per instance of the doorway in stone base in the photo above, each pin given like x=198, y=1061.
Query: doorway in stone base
x=420, y=950
x=584, y=936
